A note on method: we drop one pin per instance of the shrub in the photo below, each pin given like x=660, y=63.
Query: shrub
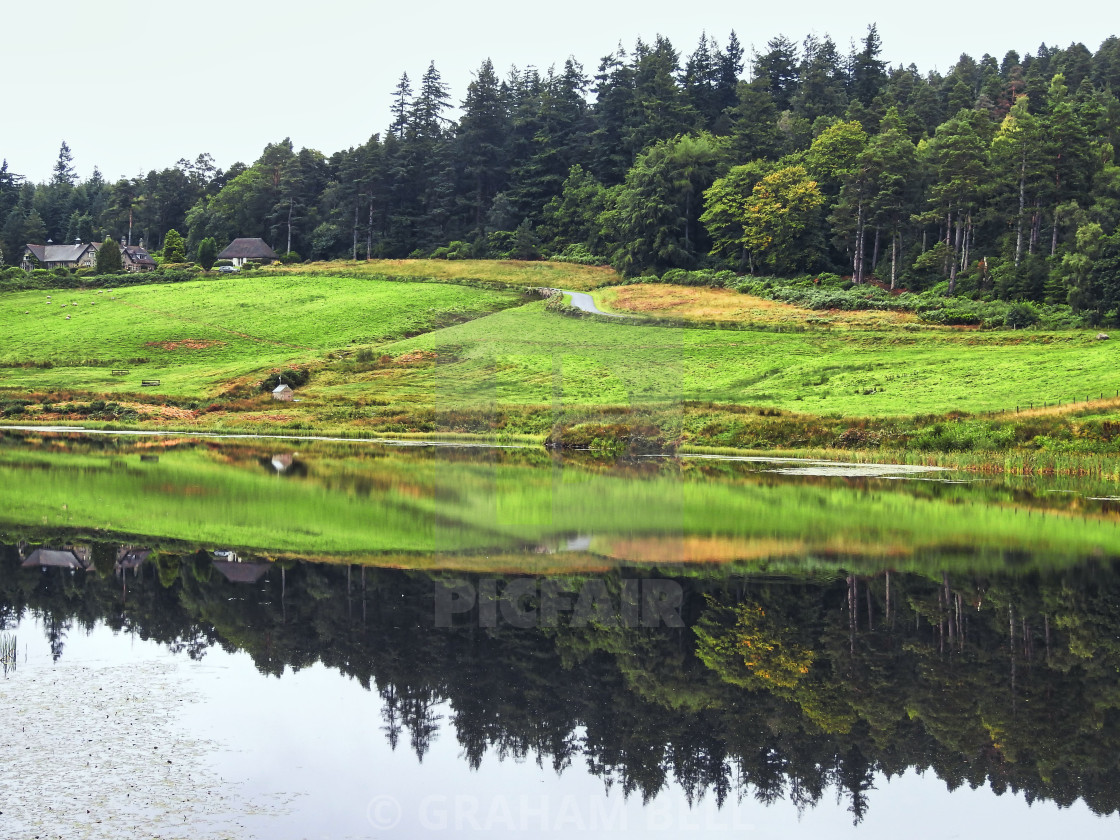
x=579, y=255
x=174, y=249
x=455, y=250
x=220, y=263
x=207, y=253
x=290, y=257
x=1020, y=315
x=704, y=277
x=294, y=377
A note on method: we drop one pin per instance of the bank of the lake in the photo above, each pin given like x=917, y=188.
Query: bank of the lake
x=462, y=350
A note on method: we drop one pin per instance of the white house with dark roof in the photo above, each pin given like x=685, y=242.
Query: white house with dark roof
x=83, y=255
x=78, y=255
x=135, y=258
x=240, y=251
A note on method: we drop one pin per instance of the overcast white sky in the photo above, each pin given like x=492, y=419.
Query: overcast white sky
x=133, y=86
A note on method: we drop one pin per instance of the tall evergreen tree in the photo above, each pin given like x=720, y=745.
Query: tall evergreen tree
x=776, y=69
x=483, y=132
x=610, y=154
x=662, y=110
x=1016, y=162
x=700, y=79
x=402, y=105
x=207, y=253
x=868, y=70
x=63, y=172
x=821, y=92
x=729, y=71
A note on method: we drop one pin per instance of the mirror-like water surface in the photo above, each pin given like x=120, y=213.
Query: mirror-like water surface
x=350, y=641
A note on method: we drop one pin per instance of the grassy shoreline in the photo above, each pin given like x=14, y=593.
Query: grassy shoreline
x=432, y=350
x=611, y=442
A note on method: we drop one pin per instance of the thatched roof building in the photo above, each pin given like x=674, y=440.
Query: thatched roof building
x=241, y=250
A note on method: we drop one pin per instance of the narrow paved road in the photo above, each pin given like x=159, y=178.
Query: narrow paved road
x=582, y=300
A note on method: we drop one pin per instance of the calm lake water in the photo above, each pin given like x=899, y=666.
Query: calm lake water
x=264, y=639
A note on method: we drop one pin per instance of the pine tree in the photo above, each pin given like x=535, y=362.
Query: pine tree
x=426, y=116
x=662, y=111
x=776, y=69
x=402, y=103
x=12, y=238
x=483, y=133
x=63, y=169
x=821, y=91
x=207, y=253
x=614, y=110
x=699, y=80
x=173, y=248
x=109, y=257
x=868, y=70
x=729, y=71
x=754, y=123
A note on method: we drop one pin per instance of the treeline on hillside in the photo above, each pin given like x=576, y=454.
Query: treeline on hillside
x=997, y=179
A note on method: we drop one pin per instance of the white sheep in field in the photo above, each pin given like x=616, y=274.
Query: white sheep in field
x=67, y=317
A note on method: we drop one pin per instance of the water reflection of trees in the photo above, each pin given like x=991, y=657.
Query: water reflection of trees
x=777, y=689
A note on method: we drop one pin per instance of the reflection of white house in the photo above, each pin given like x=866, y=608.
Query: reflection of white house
x=130, y=557
x=76, y=557
x=239, y=571
x=240, y=251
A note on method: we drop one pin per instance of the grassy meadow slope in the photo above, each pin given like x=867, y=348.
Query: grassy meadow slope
x=199, y=337
x=528, y=355
x=462, y=349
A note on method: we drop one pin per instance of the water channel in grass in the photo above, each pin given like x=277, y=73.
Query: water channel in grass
x=207, y=638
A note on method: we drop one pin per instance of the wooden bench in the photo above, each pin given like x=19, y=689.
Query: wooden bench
x=120, y=373
x=148, y=383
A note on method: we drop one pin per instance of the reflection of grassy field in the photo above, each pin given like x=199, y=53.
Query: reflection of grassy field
x=411, y=508
x=699, y=303
x=512, y=272
x=195, y=337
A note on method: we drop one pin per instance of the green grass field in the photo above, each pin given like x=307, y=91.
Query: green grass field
x=401, y=356
x=200, y=336
x=530, y=356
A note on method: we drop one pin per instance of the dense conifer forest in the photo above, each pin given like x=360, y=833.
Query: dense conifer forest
x=995, y=179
